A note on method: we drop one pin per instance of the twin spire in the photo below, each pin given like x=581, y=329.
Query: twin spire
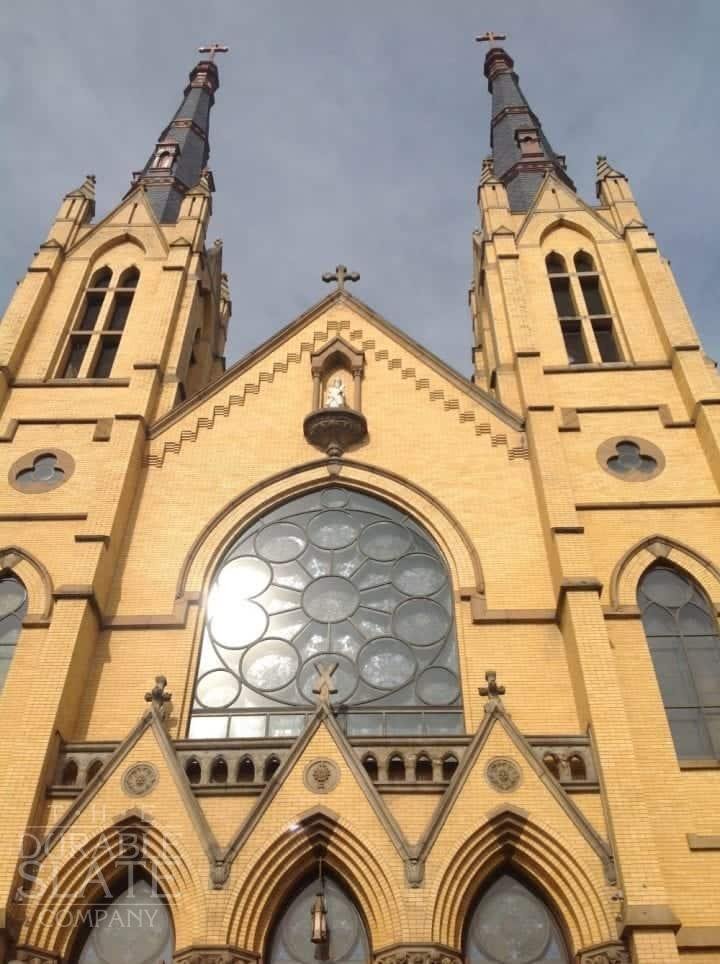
x=521, y=154
x=181, y=155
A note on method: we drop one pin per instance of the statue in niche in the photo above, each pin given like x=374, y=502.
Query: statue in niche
x=335, y=395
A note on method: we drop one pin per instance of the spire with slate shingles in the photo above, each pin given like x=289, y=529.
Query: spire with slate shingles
x=521, y=152
x=180, y=156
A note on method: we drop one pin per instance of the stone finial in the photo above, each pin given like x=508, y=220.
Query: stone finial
x=159, y=697
x=488, y=170
x=324, y=688
x=493, y=691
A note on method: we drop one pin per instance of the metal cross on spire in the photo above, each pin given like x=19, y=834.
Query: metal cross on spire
x=341, y=275
x=213, y=49
x=489, y=37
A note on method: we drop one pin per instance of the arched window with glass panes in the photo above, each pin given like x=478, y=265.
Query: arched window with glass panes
x=13, y=608
x=682, y=634
x=337, y=582
x=320, y=922
x=132, y=924
x=585, y=321
x=94, y=341
x=511, y=924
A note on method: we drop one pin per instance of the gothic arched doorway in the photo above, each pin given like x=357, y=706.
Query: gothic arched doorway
x=292, y=937
x=512, y=925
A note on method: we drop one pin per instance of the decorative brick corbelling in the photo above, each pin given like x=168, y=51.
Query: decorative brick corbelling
x=209, y=954
x=418, y=954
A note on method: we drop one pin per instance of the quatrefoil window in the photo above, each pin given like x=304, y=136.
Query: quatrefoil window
x=631, y=459
x=41, y=470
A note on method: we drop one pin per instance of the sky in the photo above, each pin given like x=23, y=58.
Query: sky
x=354, y=133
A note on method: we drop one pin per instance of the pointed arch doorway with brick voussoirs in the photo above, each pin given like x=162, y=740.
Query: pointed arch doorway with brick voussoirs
x=511, y=924
x=319, y=922
x=334, y=594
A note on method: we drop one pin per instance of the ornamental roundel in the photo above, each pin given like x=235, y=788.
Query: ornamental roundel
x=631, y=459
x=41, y=470
x=339, y=586
x=321, y=776
x=503, y=774
x=140, y=779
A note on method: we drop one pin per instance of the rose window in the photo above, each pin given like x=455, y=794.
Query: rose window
x=332, y=581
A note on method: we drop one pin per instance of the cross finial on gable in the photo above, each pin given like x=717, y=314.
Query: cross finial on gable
x=493, y=691
x=158, y=696
x=341, y=275
x=324, y=688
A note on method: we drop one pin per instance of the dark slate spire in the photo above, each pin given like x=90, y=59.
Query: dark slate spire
x=181, y=154
x=521, y=152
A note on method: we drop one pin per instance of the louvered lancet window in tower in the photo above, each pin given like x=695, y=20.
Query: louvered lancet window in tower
x=335, y=582
x=512, y=925
x=682, y=634
x=94, y=341
x=587, y=330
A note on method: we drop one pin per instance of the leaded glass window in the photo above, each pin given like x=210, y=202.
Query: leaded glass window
x=347, y=937
x=338, y=578
x=134, y=928
x=13, y=607
x=682, y=635
x=511, y=925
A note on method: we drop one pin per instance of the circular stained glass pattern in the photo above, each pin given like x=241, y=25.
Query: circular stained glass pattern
x=245, y=577
x=512, y=926
x=386, y=664
x=333, y=530
x=331, y=577
x=437, y=686
x=330, y=599
x=270, y=665
x=237, y=623
x=421, y=622
x=281, y=542
x=418, y=575
x=217, y=688
x=385, y=541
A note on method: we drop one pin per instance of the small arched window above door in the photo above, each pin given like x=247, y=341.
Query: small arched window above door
x=682, y=635
x=512, y=925
x=347, y=939
x=135, y=927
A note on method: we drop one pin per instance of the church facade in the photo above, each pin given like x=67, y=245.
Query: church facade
x=338, y=655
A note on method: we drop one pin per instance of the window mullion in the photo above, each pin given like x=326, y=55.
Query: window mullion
x=89, y=357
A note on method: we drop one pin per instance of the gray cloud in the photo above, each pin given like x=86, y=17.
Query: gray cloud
x=354, y=132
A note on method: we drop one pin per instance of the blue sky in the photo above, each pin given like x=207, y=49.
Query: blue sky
x=354, y=132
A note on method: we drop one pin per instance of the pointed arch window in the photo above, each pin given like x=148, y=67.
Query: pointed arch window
x=682, y=635
x=347, y=938
x=512, y=925
x=95, y=339
x=588, y=330
x=134, y=925
x=333, y=579
x=13, y=608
